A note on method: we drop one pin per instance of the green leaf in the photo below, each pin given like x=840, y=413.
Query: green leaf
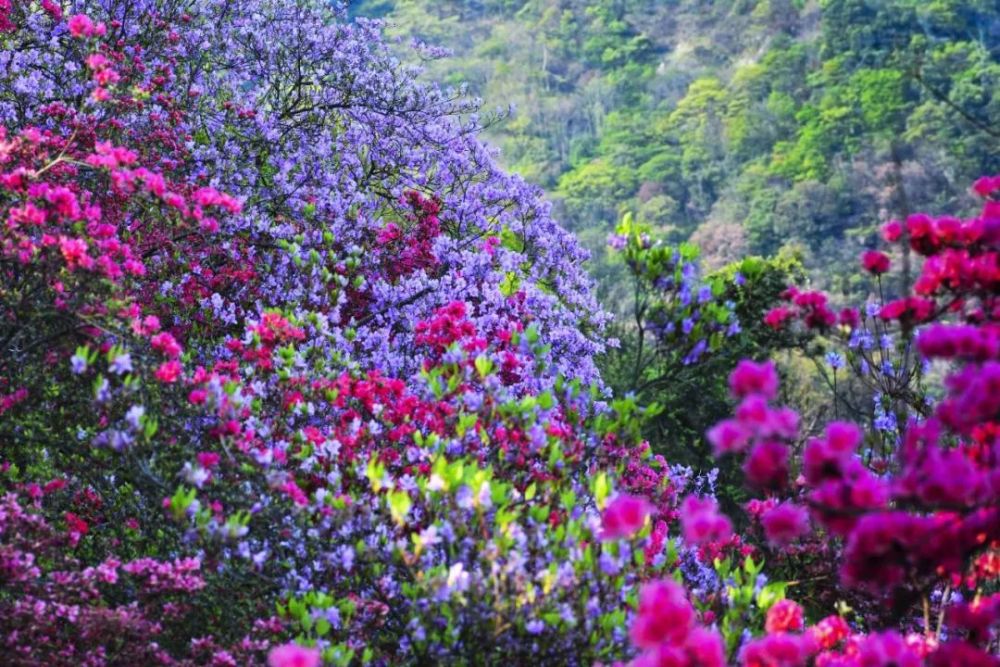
x=601, y=489
x=484, y=366
x=770, y=594
x=399, y=505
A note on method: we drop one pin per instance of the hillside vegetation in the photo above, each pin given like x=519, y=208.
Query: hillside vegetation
x=744, y=125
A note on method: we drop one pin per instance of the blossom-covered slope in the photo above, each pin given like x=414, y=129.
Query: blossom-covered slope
x=293, y=375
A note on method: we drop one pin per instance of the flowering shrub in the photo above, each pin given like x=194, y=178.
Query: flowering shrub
x=917, y=514
x=293, y=373
x=137, y=612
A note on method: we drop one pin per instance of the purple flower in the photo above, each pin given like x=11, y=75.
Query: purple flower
x=121, y=364
x=535, y=627
x=835, y=360
x=78, y=364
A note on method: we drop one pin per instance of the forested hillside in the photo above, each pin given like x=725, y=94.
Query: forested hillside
x=744, y=125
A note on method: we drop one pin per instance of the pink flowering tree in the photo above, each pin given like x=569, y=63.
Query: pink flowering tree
x=905, y=518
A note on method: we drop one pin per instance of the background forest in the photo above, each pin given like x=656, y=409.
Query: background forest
x=745, y=126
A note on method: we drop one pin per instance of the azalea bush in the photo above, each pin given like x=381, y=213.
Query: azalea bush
x=293, y=373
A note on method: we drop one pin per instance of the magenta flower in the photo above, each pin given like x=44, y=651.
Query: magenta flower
x=293, y=655
x=784, y=524
x=875, y=262
x=752, y=378
x=624, y=516
x=665, y=615
x=767, y=465
x=728, y=436
x=702, y=522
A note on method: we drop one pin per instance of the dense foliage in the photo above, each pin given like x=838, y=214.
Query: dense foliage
x=744, y=125
x=293, y=373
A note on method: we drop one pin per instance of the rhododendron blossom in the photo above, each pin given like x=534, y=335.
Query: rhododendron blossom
x=784, y=616
x=292, y=655
x=702, y=522
x=784, y=524
x=624, y=516
x=875, y=262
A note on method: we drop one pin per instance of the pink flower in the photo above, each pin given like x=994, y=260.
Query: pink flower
x=850, y=318
x=777, y=650
x=986, y=185
x=151, y=323
x=663, y=655
x=54, y=10
x=892, y=231
x=887, y=648
x=98, y=61
x=665, y=615
x=961, y=654
x=293, y=655
x=74, y=251
x=80, y=25
x=784, y=524
x=728, y=436
x=701, y=521
x=167, y=344
x=880, y=550
x=767, y=466
x=705, y=648
x=875, y=262
x=752, y=378
x=75, y=524
x=827, y=458
x=169, y=371
x=656, y=539
x=829, y=632
x=207, y=459
x=756, y=415
x=784, y=616
x=843, y=437
x=776, y=317
x=624, y=516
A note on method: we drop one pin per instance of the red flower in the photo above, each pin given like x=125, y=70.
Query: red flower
x=776, y=317
x=875, y=262
x=784, y=616
x=75, y=525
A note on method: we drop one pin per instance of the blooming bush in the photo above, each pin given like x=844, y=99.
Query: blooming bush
x=292, y=373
